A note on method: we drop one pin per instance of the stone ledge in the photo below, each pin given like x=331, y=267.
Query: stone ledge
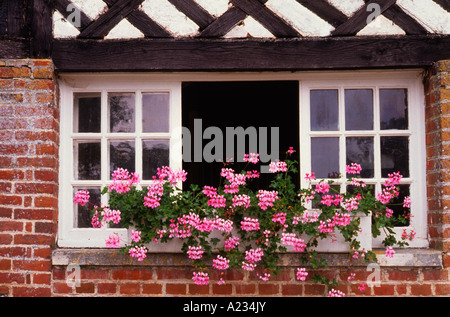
x=109, y=257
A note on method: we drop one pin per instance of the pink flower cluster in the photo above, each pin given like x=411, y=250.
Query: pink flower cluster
x=408, y=236
x=138, y=252
x=110, y=215
x=81, y=197
x=136, y=235
x=389, y=252
x=241, y=201
x=337, y=220
x=200, y=278
x=407, y=202
x=249, y=224
x=156, y=189
x=328, y=200
x=279, y=217
x=122, y=180
x=113, y=241
x=278, y=166
x=291, y=239
x=266, y=198
x=353, y=168
x=217, y=201
x=231, y=243
x=351, y=204
x=323, y=187
x=195, y=253
x=252, y=158
x=336, y=293
x=301, y=274
x=221, y=263
x=252, y=257
x=306, y=217
x=390, y=190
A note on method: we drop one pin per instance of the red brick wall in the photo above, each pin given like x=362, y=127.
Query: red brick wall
x=437, y=94
x=29, y=136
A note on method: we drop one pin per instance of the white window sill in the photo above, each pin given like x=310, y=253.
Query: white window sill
x=110, y=257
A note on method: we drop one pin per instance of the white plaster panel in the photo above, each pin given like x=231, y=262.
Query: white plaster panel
x=348, y=7
x=431, y=15
x=166, y=15
x=214, y=7
x=249, y=28
x=381, y=26
x=302, y=19
x=63, y=28
x=92, y=8
x=124, y=30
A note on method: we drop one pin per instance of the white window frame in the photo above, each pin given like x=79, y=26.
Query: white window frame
x=68, y=236
x=171, y=82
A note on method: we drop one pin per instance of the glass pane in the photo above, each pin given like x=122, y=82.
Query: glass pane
x=87, y=157
x=87, y=112
x=360, y=150
x=394, y=109
x=84, y=213
x=155, y=153
x=122, y=154
x=121, y=112
x=358, y=109
x=324, y=110
x=155, y=112
x=397, y=205
x=394, y=155
x=325, y=157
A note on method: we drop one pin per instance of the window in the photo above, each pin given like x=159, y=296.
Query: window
x=107, y=125
x=333, y=118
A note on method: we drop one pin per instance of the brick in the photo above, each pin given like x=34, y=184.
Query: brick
x=129, y=289
x=9, y=278
x=198, y=289
x=11, y=174
x=398, y=275
x=94, y=274
x=46, y=201
x=34, y=214
x=10, y=200
x=152, y=288
x=33, y=239
x=442, y=289
x=20, y=291
x=5, y=264
x=175, y=289
x=132, y=274
x=421, y=289
x=6, y=226
x=245, y=289
x=292, y=290
x=14, y=72
x=268, y=289
x=43, y=72
x=224, y=289
x=85, y=288
x=32, y=265
x=62, y=288
x=169, y=273
x=106, y=288
x=314, y=289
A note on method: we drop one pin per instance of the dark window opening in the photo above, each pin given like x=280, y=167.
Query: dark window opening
x=251, y=106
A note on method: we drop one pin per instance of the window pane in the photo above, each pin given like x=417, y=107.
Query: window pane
x=87, y=157
x=394, y=155
x=122, y=154
x=394, y=109
x=397, y=205
x=360, y=150
x=83, y=213
x=325, y=157
x=87, y=112
x=155, y=153
x=121, y=112
x=155, y=112
x=358, y=109
x=324, y=111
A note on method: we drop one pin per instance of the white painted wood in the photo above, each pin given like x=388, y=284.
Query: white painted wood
x=124, y=30
x=431, y=15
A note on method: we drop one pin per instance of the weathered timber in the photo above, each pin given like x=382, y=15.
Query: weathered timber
x=250, y=54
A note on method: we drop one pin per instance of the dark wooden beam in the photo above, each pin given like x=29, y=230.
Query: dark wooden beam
x=62, y=7
x=404, y=20
x=102, y=25
x=444, y=3
x=223, y=24
x=142, y=21
x=273, y=23
x=14, y=48
x=250, y=54
x=194, y=12
x=359, y=19
x=325, y=11
x=41, y=28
